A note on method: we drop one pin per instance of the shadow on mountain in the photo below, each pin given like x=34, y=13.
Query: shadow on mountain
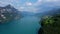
x=9, y=13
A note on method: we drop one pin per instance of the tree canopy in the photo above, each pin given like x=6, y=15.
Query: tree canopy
x=51, y=24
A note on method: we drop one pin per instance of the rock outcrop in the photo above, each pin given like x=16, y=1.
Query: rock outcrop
x=9, y=13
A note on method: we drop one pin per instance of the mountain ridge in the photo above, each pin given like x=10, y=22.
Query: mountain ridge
x=9, y=13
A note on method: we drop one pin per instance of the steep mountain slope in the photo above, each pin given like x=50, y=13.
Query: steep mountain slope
x=8, y=13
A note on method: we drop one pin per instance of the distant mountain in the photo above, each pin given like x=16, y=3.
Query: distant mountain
x=49, y=12
x=26, y=13
x=9, y=13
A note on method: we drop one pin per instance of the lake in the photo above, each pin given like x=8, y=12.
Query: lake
x=26, y=25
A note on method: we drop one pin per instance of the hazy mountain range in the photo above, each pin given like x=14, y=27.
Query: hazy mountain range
x=49, y=12
x=46, y=11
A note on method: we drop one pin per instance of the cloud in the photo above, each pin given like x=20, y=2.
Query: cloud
x=52, y=0
x=28, y=3
x=12, y=2
x=48, y=0
x=41, y=4
x=30, y=6
x=21, y=8
x=27, y=6
x=39, y=0
x=3, y=3
x=34, y=7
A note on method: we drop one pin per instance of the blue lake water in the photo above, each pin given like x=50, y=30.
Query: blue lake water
x=26, y=25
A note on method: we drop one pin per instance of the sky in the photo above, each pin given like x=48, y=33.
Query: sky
x=30, y=5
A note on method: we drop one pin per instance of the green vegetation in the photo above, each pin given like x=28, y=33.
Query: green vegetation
x=51, y=24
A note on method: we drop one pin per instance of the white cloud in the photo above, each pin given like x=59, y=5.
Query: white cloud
x=48, y=0
x=21, y=8
x=56, y=0
x=31, y=7
x=28, y=3
x=28, y=6
x=39, y=0
x=3, y=3
x=52, y=0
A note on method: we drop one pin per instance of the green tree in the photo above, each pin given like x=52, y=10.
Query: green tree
x=51, y=24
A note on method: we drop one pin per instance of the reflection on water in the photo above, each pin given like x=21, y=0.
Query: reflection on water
x=26, y=25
